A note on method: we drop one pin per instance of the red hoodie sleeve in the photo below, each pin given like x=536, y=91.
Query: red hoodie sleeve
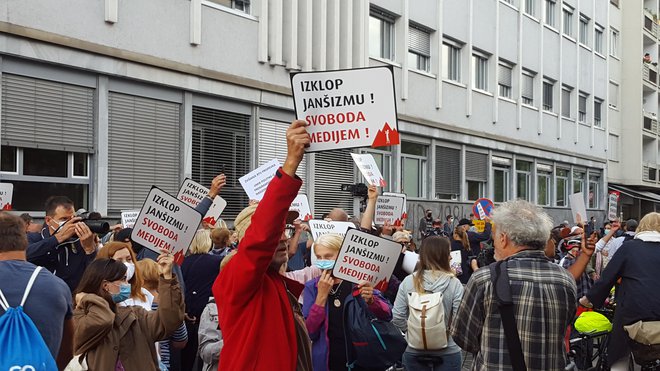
x=243, y=275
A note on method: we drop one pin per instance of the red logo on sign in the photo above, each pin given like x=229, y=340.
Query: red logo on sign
x=386, y=137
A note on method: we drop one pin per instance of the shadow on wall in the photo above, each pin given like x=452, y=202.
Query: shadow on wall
x=416, y=211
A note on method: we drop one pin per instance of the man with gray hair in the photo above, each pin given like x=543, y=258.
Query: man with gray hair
x=543, y=297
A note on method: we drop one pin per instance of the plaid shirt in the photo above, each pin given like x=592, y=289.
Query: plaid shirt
x=584, y=283
x=544, y=296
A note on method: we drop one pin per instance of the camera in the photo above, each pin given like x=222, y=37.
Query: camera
x=95, y=225
x=357, y=190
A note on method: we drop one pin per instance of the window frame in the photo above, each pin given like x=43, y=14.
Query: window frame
x=561, y=179
x=583, y=111
x=506, y=170
x=583, y=30
x=502, y=88
x=598, y=112
x=530, y=4
x=593, y=179
x=527, y=99
x=614, y=87
x=567, y=20
x=564, y=101
x=480, y=63
x=547, y=179
x=388, y=19
x=551, y=106
x=421, y=57
x=422, y=164
x=614, y=42
x=551, y=13
x=527, y=174
x=599, y=33
x=449, y=48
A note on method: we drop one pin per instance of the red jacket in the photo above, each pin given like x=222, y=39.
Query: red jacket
x=254, y=312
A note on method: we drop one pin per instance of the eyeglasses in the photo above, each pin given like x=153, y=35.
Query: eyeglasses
x=289, y=231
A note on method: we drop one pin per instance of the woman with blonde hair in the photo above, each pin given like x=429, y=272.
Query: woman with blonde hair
x=432, y=275
x=636, y=263
x=460, y=242
x=122, y=252
x=323, y=306
x=199, y=272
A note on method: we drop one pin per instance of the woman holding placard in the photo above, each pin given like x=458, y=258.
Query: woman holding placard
x=123, y=253
x=323, y=306
x=437, y=292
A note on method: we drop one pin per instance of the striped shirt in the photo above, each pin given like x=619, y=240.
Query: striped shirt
x=544, y=296
x=181, y=334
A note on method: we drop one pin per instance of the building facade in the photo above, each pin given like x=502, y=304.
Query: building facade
x=501, y=99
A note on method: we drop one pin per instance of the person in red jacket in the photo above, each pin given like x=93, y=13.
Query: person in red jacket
x=258, y=311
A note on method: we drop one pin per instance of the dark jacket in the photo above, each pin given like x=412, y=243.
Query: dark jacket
x=199, y=273
x=66, y=260
x=466, y=257
x=477, y=238
x=636, y=263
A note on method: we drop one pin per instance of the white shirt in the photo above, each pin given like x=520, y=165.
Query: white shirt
x=135, y=301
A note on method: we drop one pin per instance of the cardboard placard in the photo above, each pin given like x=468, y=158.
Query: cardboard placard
x=192, y=193
x=301, y=205
x=365, y=257
x=456, y=260
x=389, y=209
x=6, y=194
x=166, y=222
x=321, y=227
x=128, y=218
x=255, y=182
x=410, y=260
x=577, y=206
x=367, y=166
x=347, y=108
x=404, y=215
x=612, y=204
x=480, y=225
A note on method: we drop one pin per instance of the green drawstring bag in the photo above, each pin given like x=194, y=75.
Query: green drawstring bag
x=592, y=322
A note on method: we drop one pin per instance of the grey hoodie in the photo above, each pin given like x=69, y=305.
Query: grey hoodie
x=452, y=293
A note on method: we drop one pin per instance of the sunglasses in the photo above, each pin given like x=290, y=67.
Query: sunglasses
x=289, y=231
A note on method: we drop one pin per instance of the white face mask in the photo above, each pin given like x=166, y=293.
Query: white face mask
x=59, y=225
x=130, y=271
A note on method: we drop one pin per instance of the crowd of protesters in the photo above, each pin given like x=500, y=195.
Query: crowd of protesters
x=262, y=296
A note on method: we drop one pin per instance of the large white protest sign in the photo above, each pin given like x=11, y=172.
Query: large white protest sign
x=256, y=182
x=128, y=218
x=192, y=193
x=410, y=260
x=365, y=257
x=301, y=205
x=6, y=194
x=577, y=207
x=404, y=215
x=347, y=108
x=166, y=222
x=367, y=166
x=389, y=209
x=321, y=227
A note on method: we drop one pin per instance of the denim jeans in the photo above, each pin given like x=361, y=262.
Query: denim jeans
x=417, y=361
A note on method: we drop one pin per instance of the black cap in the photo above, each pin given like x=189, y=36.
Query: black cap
x=464, y=222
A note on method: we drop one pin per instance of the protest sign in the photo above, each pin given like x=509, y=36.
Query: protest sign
x=321, y=227
x=482, y=208
x=410, y=260
x=404, y=215
x=301, y=205
x=365, y=257
x=6, y=194
x=480, y=225
x=256, y=182
x=612, y=207
x=367, y=165
x=192, y=193
x=578, y=209
x=347, y=108
x=389, y=209
x=166, y=222
x=128, y=218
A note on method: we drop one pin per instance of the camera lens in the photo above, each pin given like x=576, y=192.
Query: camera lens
x=98, y=226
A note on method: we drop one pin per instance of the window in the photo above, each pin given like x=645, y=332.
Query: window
x=614, y=43
x=501, y=183
x=209, y=127
x=566, y=101
x=504, y=79
x=381, y=35
x=582, y=107
x=242, y=5
x=480, y=66
x=578, y=181
x=451, y=66
x=613, y=149
x=598, y=39
x=530, y=7
x=584, y=30
x=447, y=173
x=40, y=173
x=528, y=87
x=413, y=169
x=523, y=179
x=419, y=48
x=476, y=174
x=568, y=20
x=614, y=95
x=594, y=190
x=543, y=176
x=551, y=13
x=598, y=107
x=548, y=95
x=561, y=188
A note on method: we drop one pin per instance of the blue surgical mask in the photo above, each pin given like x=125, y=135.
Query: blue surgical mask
x=124, y=293
x=607, y=231
x=325, y=265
